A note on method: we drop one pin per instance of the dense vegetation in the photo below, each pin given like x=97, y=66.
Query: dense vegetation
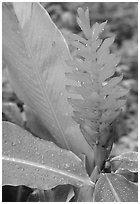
x=122, y=20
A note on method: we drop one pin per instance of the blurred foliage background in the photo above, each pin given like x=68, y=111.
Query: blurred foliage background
x=123, y=22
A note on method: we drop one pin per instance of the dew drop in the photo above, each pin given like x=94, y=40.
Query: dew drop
x=22, y=169
x=79, y=83
x=67, y=165
x=61, y=180
x=13, y=144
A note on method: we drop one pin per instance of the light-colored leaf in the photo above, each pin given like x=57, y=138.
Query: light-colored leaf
x=35, y=52
x=115, y=188
x=97, y=29
x=37, y=163
x=83, y=21
x=113, y=82
x=126, y=161
x=108, y=69
x=97, y=85
x=105, y=45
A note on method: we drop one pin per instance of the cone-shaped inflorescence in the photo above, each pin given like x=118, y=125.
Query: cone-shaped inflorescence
x=101, y=94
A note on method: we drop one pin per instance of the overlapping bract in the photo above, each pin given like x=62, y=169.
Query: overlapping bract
x=93, y=70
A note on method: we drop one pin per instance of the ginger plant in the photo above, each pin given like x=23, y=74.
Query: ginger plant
x=71, y=102
x=102, y=96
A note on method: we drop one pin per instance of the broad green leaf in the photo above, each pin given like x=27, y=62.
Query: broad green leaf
x=129, y=175
x=37, y=163
x=126, y=161
x=115, y=188
x=35, y=52
x=35, y=126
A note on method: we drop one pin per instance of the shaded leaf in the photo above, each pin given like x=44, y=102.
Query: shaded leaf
x=57, y=194
x=115, y=188
x=129, y=175
x=126, y=161
x=85, y=194
x=37, y=163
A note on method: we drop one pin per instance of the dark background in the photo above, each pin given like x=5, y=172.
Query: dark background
x=123, y=22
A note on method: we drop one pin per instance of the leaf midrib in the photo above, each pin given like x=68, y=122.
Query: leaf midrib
x=113, y=190
x=48, y=168
x=41, y=85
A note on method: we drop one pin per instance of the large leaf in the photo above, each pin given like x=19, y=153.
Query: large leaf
x=35, y=52
x=37, y=163
x=35, y=126
x=115, y=188
x=126, y=161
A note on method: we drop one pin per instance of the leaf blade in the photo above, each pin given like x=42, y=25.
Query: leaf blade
x=127, y=161
x=37, y=71
x=38, y=163
x=110, y=186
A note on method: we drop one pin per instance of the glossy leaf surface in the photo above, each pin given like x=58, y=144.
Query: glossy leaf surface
x=126, y=161
x=37, y=163
x=35, y=53
x=115, y=188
